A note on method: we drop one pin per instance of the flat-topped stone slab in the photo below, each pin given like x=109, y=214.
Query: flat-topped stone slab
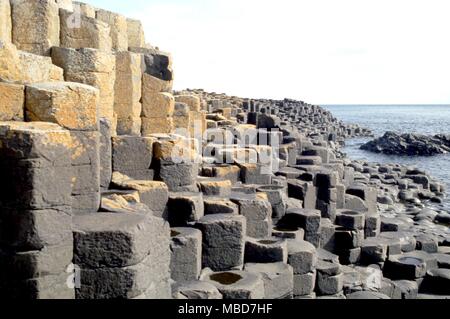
x=219, y=205
x=308, y=219
x=200, y=290
x=404, y=267
x=154, y=194
x=278, y=278
x=71, y=105
x=219, y=254
x=302, y=256
x=116, y=240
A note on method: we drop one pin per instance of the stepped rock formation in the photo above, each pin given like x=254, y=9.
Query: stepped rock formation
x=115, y=186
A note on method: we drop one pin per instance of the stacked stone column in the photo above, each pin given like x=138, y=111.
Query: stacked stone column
x=134, y=259
x=36, y=25
x=158, y=104
x=6, y=23
x=84, y=32
x=92, y=67
x=36, y=245
x=128, y=93
x=175, y=160
x=73, y=106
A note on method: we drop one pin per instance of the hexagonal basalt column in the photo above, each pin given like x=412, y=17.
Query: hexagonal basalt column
x=219, y=254
x=122, y=256
x=186, y=254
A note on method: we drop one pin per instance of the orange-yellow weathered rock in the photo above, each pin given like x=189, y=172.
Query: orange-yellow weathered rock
x=11, y=102
x=119, y=28
x=10, y=65
x=175, y=149
x=84, y=9
x=84, y=32
x=92, y=67
x=152, y=84
x=135, y=33
x=24, y=67
x=191, y=100
x=181, y=118
x=197, y=123
x=129, y=126
x=33, y=140
x=5, y=21
x=36, y=25
x=157, y=105
x=65, y=4
x=128, y=93
x=36, y=68
x=153, y=125
x=73, y=106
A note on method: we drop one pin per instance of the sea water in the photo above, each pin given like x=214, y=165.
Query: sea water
x=422, y=119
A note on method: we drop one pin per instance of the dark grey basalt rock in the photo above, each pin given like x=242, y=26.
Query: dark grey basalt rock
x=237, y=284
x=195, y=290
x=219, y=254
x=278, y=279
x=409, y=144
x=268, y=250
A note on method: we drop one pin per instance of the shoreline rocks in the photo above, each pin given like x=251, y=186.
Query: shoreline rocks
x=409, y=144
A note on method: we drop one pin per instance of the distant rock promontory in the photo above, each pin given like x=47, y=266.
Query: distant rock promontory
x=392, y=143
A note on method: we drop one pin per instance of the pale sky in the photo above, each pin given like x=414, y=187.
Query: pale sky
x=320, y=51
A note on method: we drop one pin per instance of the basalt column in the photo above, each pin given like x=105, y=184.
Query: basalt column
x=36, y=244
x=73, y=106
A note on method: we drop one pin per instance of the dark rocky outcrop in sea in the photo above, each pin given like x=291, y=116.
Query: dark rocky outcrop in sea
x=392, y=143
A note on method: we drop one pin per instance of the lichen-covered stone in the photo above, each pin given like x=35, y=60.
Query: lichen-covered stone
x=157, y=105
x=12, y=102
x=135, y=33
x=10, y=65
x=152, y=193
x=156, y=125
x=191, y=100
x=36, y=159
x=84, y=9
x=118, y=25
x=5, y=18
x=36, y=25
x=36, y=68
x=128, y=92
x=89, y=33
x=74, y=106
x=153, y=84
x=92, y=67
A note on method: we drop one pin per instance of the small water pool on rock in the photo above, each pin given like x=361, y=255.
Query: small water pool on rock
x=267, y=242
x=226, y=278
